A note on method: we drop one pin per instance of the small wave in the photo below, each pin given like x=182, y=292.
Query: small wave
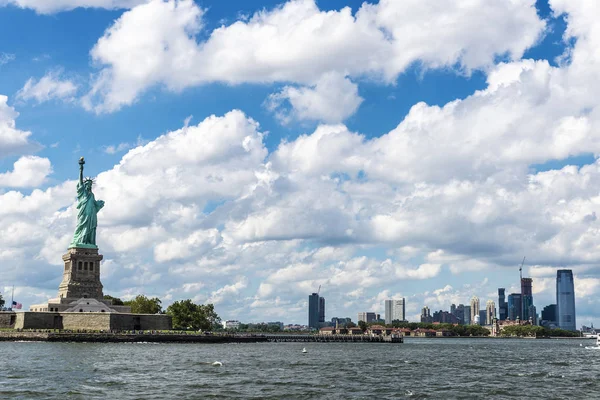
x=559, y=363
x=213, y=363
x=23, y=394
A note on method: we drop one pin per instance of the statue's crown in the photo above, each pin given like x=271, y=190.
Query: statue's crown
x=89, y=179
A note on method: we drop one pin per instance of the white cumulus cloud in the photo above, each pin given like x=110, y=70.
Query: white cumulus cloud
x=53, y=6
x=28, y=171
x=333, y=99
x=156, y=43
x=47, y=88
x=13, y=140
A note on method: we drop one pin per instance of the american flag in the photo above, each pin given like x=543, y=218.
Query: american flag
x=17, y=306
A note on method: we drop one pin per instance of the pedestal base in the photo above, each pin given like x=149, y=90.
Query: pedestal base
x=81, y=276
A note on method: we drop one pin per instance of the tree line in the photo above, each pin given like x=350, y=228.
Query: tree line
x=185, y=313
x=536, y=331
x=476, y=330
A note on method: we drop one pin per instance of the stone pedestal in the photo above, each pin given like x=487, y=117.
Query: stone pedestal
x=81, y=304
x=81, y=276
x=80, y=289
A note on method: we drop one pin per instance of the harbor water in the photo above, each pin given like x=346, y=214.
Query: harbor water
x=418, y=369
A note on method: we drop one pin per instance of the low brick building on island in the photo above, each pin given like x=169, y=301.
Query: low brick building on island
x=498, y=325
x=422, y=332
x=373, y=330
x=330, y=330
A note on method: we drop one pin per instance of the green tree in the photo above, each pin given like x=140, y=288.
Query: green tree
x=188, y=315
x=362, y=325
x=115, y=300
x=1, y=301
x=143, y=305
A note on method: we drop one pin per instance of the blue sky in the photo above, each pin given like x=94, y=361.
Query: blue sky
x=372, y=155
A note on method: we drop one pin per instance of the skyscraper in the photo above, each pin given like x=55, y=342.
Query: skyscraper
x=533, y=315
x=313, y=311
x=460, y=313
x=490, y=312
x=549, y=313
x=502, y=305
x=389, y=311
x=526, y=298
x=367, y=316
x=474, y=308
x=514, y=306
x=444, y=317
x=426, y=315
x=565, y=300
x=321, y=310
x=482, y=317
x=394, y=310
x=467, y=315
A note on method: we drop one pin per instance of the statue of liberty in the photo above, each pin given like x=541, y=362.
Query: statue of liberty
x=87, y=213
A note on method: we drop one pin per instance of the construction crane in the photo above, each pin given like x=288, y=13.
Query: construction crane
x=521, y=268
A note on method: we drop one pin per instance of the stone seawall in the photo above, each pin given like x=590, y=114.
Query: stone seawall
x=89, y=321
x=126, y=338
x=23, y=336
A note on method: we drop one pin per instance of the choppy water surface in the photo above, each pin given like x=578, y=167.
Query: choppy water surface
x=417, y=369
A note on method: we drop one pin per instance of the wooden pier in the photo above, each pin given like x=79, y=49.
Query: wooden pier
x=334, y=338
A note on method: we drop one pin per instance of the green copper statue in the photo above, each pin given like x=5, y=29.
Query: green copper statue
x=87, y=213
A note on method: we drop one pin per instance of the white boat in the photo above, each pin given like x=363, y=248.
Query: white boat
x=304, y=350
x=597, y=344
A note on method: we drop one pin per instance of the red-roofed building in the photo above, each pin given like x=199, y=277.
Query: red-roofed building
x=424, y=332
x=402, y=331
x=329, y=330
x=355, y=331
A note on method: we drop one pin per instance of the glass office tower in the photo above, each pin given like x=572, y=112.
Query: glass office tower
x=565, y=300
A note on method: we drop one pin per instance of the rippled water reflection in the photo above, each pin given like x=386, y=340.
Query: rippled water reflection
x=417, y=369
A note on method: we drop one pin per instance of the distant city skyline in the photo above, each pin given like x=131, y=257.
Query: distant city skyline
x=514, y=308
x=520, y=306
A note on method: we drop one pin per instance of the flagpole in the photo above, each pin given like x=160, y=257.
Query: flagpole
x=12, y=297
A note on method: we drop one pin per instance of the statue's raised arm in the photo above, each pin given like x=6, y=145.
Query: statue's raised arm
x=81, y=162
x=87, y=212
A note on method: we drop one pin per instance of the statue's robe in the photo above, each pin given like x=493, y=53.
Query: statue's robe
x=87, y=217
